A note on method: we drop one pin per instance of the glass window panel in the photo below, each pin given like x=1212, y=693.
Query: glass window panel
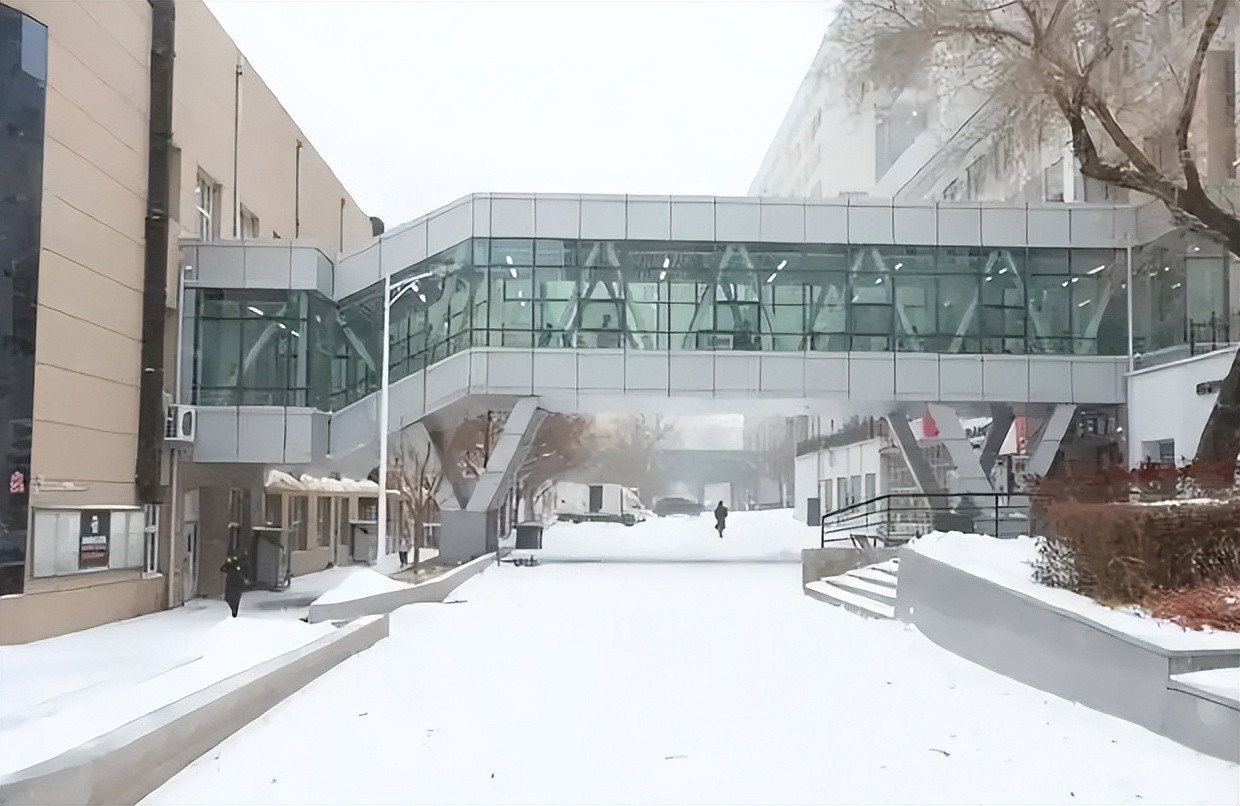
x=1049, y=314
x=512, y=252
x=1048, y=261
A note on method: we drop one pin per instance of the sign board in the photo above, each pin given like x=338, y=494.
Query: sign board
x=93, y=539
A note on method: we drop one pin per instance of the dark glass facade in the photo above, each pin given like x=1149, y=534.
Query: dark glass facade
x=23, y=93
x=262, y=347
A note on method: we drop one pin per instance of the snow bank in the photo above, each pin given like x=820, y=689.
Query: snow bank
x=1009, y=563
x=1222, y=682
x=766, y=536
x=93, y=682
x=362, y=582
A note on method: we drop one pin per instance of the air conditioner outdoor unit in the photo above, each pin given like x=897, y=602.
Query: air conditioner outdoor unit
x=180, y=424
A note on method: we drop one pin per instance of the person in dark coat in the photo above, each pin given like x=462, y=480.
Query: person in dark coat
x=721, y=518
x=234, y=582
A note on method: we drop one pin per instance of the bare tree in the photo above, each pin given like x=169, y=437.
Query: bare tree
x=417, y=477
x=474, y=440
x=1119, y=79
x=629, y=454
x=563, y=442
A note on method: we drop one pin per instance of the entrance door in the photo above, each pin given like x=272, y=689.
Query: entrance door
x=193, y=558
x=596, y=498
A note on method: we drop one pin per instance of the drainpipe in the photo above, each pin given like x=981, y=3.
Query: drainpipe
x=237, y=150
x=297, y=194
x=1132, y=358
x=155, y=273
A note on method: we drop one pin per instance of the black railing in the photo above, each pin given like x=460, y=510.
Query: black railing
x=894, y=519
x=1210, y=334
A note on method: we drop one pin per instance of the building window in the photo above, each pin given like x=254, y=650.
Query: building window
x=249, y=225
x=83, y=541
x=323, y=521
x=299, y=517
x=206, y=198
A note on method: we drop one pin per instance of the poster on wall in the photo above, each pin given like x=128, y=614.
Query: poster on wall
x=93, y=543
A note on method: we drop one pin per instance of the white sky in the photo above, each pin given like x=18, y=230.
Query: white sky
x=415, y=104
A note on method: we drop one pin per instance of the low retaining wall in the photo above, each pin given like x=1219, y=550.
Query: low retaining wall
x=830, y=562
x=1056, y=650
x=434, y=590
x=1202, y=720
x=127, y=764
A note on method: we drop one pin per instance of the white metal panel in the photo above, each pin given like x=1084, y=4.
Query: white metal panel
x=298, y=436
x=555, y=370
x=1003, y=226
x=260, y=434
x=407, y=400
x=783, y=374
x=1005, y=378
x=691, y=372
x=1048, y=226
x=357, y=271
x=693, y=220
x=826, y=223
x=1092, y=227
x=216, y=437
x=482, y=216
x=960, y=225
x=782, y=223
x=917, y=376
x=646, y=371
x=450, y=226
x=602, y=219
x=268, y=266
x=1094, y=381
x=476, y=359
x=510, y=371
x=826, y=373
x=447, y=380
x=304, y=269
x=871, y=376
x=960, y=377
x=737, y=220
x=512, y=216
x=404, y=248
x=600, y=369
x=870, y=224
x=557, y=218
x=220, y=266
x=650, y=218
x=353, y=426
x=915, y=226
x=1050, y=379
x=737, y=372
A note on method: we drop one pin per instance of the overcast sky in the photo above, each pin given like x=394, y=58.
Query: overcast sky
x=415, y=104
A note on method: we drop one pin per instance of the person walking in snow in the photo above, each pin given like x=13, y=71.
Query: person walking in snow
x=234, y=582
x=721, y=518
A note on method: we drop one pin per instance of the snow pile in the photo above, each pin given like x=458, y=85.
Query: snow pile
x=678, y=683
x=80, y=686
x=1220, y=682
x=1010, y=563
x=359, y=584
x=766, y=536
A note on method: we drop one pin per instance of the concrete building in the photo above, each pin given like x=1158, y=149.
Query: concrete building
x=916, y=147
x=129, y=126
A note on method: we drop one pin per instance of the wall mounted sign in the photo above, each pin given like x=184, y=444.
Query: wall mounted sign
x=93, y=543
x=17, y=483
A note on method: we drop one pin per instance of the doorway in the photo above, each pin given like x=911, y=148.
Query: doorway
x=596, y=498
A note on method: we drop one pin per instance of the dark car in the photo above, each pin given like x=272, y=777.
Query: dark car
x=673, y=505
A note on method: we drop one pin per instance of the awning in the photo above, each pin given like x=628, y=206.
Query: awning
x=278, y=481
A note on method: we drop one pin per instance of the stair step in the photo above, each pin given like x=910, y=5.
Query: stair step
x=852, y=602
x=882, y=593
x=893, y=566
x=874, y=575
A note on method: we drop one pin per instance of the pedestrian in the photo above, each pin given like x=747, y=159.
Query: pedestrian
x=721, y=518
x=234, y=582
x=402, y=550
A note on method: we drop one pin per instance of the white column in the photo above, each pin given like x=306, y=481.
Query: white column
x=381, y=547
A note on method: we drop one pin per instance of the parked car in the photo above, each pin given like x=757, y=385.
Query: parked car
x=675, y=505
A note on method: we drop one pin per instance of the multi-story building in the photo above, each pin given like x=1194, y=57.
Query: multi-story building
x=918, y=146
x=128, y=127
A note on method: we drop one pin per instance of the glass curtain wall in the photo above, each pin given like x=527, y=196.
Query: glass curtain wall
x=297, y=348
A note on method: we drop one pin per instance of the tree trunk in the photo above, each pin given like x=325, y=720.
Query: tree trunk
x=1220, y=441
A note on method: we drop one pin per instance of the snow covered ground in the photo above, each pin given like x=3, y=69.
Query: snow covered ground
x=1009, y=563
x=678, y=683
x=766, y=536
x=61, y=692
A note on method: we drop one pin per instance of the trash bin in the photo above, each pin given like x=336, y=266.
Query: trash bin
x=529, y=535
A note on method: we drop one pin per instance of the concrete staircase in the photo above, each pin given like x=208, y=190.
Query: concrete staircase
x=869, y=591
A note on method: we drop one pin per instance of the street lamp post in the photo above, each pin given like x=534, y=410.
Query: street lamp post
x=391, y=293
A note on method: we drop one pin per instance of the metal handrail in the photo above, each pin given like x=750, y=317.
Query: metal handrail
x=878, y=519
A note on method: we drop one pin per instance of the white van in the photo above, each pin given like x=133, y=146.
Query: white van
x=607, y=502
